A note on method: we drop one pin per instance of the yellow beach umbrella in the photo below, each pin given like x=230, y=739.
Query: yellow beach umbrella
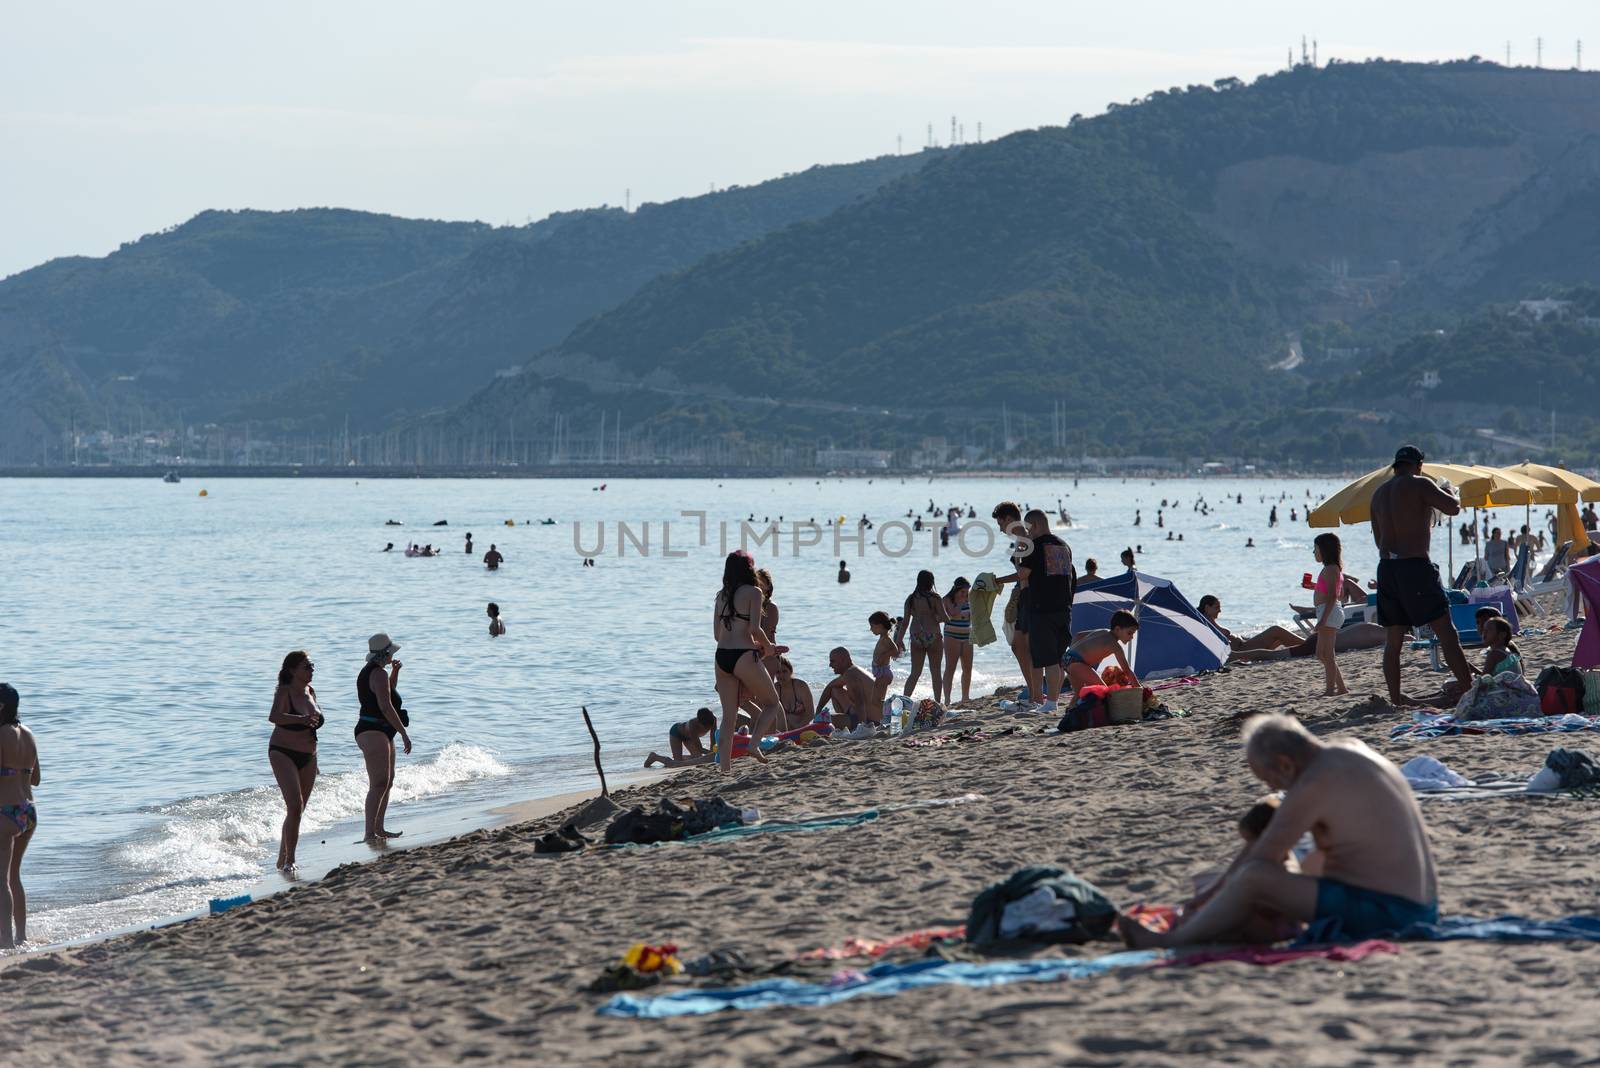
x=1478, y=487
x=1569, y=527
x=1505, y=488
x=1567, y=487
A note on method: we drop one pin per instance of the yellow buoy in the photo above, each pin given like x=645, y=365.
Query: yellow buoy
x=511, y=522
x=202, y=493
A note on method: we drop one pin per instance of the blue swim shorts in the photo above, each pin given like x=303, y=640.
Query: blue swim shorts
x=1353, y=913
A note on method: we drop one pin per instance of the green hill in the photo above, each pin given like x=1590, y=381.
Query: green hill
x=1148, y=268
x=298, y=320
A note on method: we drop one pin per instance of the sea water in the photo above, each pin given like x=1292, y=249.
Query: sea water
x=144, y=625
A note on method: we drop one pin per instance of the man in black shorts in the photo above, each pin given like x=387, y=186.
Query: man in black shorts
x=1048, y=572
x=1007, y=516
x=1409, y=591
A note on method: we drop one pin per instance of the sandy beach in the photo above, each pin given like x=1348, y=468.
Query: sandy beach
x=479, y=948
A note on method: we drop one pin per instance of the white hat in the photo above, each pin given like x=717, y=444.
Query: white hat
x=379, y=646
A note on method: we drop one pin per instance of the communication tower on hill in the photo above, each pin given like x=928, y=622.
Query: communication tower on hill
x=1305, y=57
x=1580, y=54
x=1313, y=51
x=1508, y=53
x=627, y=200
x=930, y=135
x=899, y=146
x=1580, y=63
x=1538, y=51
x=953, y=141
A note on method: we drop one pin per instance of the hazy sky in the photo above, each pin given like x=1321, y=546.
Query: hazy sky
x=119, y=118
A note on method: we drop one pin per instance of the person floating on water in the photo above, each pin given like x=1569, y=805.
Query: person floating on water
x=389, y=547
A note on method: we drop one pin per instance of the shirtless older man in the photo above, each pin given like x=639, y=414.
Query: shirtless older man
x=1376, y=865
x=851, y=693
x=1409, y=591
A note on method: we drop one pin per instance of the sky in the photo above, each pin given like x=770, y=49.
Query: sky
x=120, y=119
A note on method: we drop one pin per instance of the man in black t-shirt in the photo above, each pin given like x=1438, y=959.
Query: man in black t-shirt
x=1050, y=576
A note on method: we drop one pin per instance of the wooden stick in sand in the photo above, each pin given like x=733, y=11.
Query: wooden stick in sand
x=590, y=724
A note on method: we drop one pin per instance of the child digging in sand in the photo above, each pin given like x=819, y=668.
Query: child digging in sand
x=1265, y=926
x=685, y=741
x=1082, y=658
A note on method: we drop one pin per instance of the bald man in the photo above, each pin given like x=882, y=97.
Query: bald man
x=851, y=693
x=1377, y=871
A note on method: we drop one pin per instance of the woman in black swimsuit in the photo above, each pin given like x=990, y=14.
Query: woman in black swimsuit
x=382, y=717
x=292, y=749
x=738, y=661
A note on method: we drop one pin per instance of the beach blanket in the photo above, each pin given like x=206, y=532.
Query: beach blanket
x=875, y=947
x=1268, y=955
x=1504, y=929
x=1440, y=726
x=881, y=980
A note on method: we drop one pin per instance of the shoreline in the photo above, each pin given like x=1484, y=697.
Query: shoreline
x=324, y=856
x=644, y=471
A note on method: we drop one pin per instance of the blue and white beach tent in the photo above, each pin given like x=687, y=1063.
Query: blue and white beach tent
x=1173, y=638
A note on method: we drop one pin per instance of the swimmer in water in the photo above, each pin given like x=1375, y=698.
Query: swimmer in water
x=497, y=626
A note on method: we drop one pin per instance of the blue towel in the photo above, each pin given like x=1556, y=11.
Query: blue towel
x=1506, y=929
x=883, y=980
x=1451, y=928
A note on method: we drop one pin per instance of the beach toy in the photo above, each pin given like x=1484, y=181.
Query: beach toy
x=511, y=522
x=203, y=493
x=644, y=958
x=223, y=904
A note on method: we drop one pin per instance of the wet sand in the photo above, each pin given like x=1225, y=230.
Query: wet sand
x=479, y=948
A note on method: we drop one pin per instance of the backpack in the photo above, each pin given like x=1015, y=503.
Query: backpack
x=1560, y=691
x=1038, y=904
x=1089, y=710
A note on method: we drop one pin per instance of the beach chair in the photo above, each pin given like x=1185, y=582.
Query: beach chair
x=1463, y=616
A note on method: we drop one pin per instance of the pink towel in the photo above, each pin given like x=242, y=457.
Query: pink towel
x=1265, y=955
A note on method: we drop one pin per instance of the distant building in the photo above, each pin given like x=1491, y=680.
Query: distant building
x=1430, y=380
x=854, y=459
x=1541, y=308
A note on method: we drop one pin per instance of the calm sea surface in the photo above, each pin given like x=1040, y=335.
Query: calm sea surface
x=144, y=625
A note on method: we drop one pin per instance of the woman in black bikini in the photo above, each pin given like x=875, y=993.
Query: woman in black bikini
x=741, y=646
x=292, y=749
x=382, y=717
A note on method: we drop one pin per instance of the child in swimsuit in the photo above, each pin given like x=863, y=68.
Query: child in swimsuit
x=958, y=640
x=1499, y=657
x=924, y=612
x=1082, y=658
x=684, y=738
x=1330, y=613
x=887, y=649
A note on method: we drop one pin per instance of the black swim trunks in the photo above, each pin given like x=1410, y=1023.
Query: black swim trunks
x=1410, y=593
x=1049, y=634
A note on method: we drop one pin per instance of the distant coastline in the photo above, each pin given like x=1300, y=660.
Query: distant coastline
x=622, y=471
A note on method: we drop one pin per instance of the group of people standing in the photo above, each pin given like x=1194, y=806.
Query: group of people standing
x=296, y=717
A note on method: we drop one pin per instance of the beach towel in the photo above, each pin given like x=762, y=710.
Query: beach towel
x=882, y=980
x=1503, y=696
x=1591, y=693
x=1440, y=726
x=985, y=588
x=875, y=947
x=1268, y=955
x=1504, y=929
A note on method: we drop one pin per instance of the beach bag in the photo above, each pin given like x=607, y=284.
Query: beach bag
x=1560, y=691
x=1089, y=710
x=638, y=827
x=1039, y=904
x=1125, y=705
